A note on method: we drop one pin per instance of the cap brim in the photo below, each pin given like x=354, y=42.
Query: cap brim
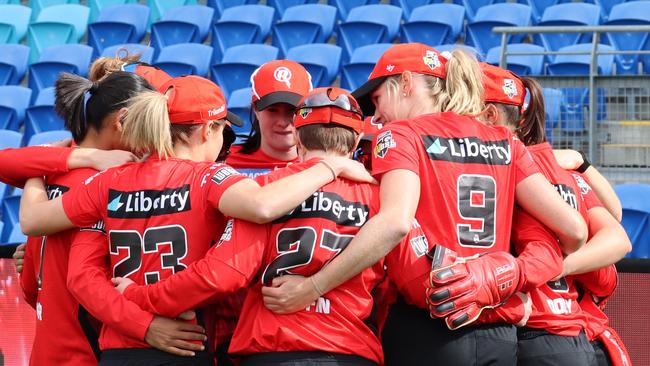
x=363, y=95
x=278, y=97
x=234, y=119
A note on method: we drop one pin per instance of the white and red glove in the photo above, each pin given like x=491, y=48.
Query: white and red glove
x=461, y=287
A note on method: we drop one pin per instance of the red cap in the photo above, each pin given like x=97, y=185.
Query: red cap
x=415, y=57
x=502, y=86
x=195, y=100
x=280, y=81
x=306, y=115
x=370, y=128
x=155, y=76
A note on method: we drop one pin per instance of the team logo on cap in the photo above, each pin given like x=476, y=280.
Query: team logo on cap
x=431, y=59
x=216, y=111
x=304, y=112
x=283, y=75
x=384, y=143
x=390, y=68
x=509, y=88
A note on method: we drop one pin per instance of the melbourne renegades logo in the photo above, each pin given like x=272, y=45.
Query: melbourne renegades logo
x=283, y=75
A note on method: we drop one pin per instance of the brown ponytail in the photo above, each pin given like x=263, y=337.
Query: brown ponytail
x=531, y=130
x=106, y=65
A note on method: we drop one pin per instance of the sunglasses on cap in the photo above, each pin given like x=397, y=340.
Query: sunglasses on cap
x=325, y=100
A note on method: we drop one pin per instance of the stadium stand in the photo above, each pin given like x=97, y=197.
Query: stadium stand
x=13, y=63
x=9, y=139
x=49, y=136
x=630, y=13
x=356, y=72
x=59, y=24
x=185, y=24
x=323, y=61
x=72, y=58
x=282, y=5
x=41, y=117
x=96, y=6
x=579, y=64
x=304, y=24
x=13, y=102
x=185, y=59
x=445, y=27
x=636, y=217
x=240, y=104
x=160, y=7
x=522, y=65
x=14, y=20
x=369, y=24
x=344, y=6
x=240, y=25
x=146, y=52
x=479, y=30
x=238, y=64
x=118, y=24
x=220, y=5
x=569, y=14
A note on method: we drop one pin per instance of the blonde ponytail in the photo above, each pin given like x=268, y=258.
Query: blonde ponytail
x=464, y=84
x=146, y=125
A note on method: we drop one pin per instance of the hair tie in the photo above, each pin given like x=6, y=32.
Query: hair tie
x=93, y=88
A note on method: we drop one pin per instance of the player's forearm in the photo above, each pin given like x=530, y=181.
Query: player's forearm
x=539, y=263
x=605, y=192
x=23, y=163
x=606, y=247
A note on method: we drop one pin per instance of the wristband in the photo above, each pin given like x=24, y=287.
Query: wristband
x=313, y=282
x=330, y=168
x=585, y=163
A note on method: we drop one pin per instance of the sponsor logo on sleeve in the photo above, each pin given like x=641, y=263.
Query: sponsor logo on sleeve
x=384, y=143
x=222, y=174
x=568, y=194
x=147, y=203
x=227, y=232
x=582, y=184
x=468, y=150
x=559, y=285
x=55, y=190
x=98, y=227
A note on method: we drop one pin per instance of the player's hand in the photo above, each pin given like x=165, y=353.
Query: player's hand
x=568, y=159
x=99, y=159
x=175, y=336
x=19, y=256
x=121, y=283
x=289, y=294
x=350, y=169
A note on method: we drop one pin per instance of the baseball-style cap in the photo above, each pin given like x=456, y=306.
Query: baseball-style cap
x=502, y=86
x=155, y=76
x=329, y=105
x=415, y=57
x=279, y=81
x=370, y=128
x=194, y=100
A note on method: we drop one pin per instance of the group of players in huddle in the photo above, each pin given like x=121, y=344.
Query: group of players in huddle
x=448, y=244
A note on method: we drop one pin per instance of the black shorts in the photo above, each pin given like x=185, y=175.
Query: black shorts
x=411, y=337
x=151, y=357
x=602, y=356
x=538, y=347
x=305, y=359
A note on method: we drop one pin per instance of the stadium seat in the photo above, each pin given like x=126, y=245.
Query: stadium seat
x=479, y=31
x=636, y=217
x=472, y=6
x=538, y=7
x=13, y=63
x=48, y=137
x=579, y=64
x=57, y=25
x=45, y=97
x=118, y=24
x=96, y=6
x=574, y=109
x=363, y=60
x=344, y=6
x=220, y=5
x=445, y=27
x=238, y=64
x=41, y=116
x=146, y=52
x=240, y=104
x=185, y=24
x=14, y=20
x=160, y=7
x=369, y=24
x=241, y=25
x=72, y=58
x=450, y=47
x=304, y=24
x=9, y=139
x=185, y=59
x=606, y=7
x=282, y=5
x=629, y=13
x=16, y=236
x=552, y=102
x=38, y=5
x=321, y=60
x=13, y=102
x=521, y=65
x=408, y=5
x=10, y=208
x=569, y=14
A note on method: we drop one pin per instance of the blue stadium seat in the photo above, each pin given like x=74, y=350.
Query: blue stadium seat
x=569, y=14
x=96, y=6
x=16, y=236
x=321, y=60
x=408, y=5
x=521, y=65
x=13, y=63
x=41, y=116
x=3, y=2
x=450, y=47
x=10, y=209
x=363, y=60
x=185, y=24
x=574, y=109
x=369, y=24
x=185, y=59
x=472, y=6
x=282, y=5
x=630, y=13
x=220, y=5
x=479, y=32
x=304, y=24
x=45, y=97
x=239, y=103
x=238, y=64
x=579, y=64
x=552, y=102
x=9, y=139
x=48, y=137
x=38, y=5
x=344, y=6
x=538, y=7
x=146, y=52
x=118, y=24
x=445, y=27
x=72, y=58
x=636, y=217
x=13, y=102
x=160, y=7
x=241, y=25
x=14, y=20
x=59, y=24
x=606, y=7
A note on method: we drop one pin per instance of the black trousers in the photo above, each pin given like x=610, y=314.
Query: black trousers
x=411, y=337
x=602, y=356
x=538, y=347
x=151, y=357
x=305, y=359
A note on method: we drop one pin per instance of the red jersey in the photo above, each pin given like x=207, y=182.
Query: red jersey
x=555, y=304
x=468, y=173
x=256, y=163
x=152, y=211
x=300, y=242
